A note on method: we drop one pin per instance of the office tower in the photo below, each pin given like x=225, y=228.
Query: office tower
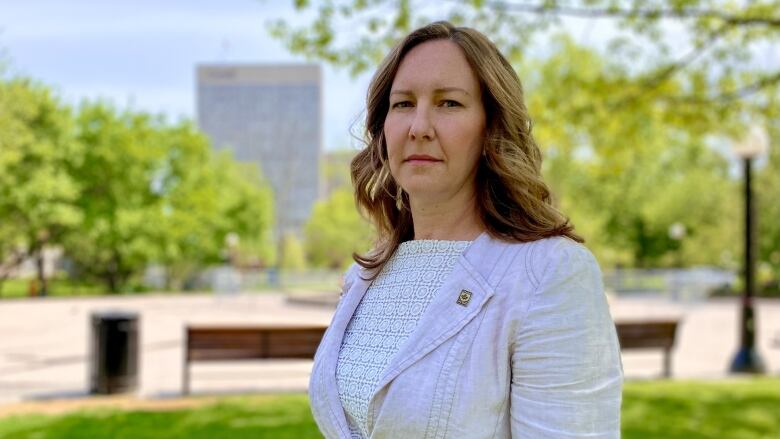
x=270, y=115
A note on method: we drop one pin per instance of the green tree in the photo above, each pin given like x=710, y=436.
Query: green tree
x=157, y=193
x=207, y=196
x=118, y=190
x=709, y=45
x=767, y=188
x=38, y=193
x=293, y=253
x=335, y=169
x=628, y=125
x=626, y=178
x=120, y=207
x=335, y=230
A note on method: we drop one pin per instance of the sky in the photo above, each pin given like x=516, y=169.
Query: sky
x=142, y=54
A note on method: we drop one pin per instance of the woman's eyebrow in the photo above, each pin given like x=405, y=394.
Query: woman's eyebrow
x=450, y=89
x=436, y=91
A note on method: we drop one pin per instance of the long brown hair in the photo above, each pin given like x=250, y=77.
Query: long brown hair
x=514, y=202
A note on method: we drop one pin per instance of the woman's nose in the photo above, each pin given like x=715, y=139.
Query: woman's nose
x=422, y=126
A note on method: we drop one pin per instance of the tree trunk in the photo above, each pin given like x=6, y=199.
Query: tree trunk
x=116, y=276
x=41, y=269
x=111, y=282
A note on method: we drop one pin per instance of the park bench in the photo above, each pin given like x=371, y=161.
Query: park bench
x=218, y=343
x=649, y=334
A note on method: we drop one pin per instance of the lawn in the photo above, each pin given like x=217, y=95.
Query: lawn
x=738, y=409
x=735, y=409
x=19, y=288
x=290, y=282
x=233, y=417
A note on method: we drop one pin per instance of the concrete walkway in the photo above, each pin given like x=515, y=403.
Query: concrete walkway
x=44, y=343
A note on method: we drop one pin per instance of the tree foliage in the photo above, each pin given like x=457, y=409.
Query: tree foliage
x=293, y=255
x=626, y=178
x=335, y=230
x=154, y=192
x=118, y=190
x=714, y=48
x=37, y=189
x=634, y=122
x=767, y=189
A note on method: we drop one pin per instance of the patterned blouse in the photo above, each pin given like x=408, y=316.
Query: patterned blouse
x=385, y=317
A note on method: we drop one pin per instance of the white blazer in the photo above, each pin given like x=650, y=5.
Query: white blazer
x=530, y=352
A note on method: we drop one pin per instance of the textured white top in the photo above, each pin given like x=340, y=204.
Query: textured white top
x=385, y=317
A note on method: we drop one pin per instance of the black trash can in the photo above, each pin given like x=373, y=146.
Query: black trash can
x=114, y=352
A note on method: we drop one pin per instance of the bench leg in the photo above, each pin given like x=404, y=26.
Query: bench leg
x=185, y=379
x=667, y=363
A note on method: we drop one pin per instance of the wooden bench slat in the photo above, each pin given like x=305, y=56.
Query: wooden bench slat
x=215, y=343
x=649, y=334
x=225, y=354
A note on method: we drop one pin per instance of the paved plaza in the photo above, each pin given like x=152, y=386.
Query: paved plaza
x=44, y=343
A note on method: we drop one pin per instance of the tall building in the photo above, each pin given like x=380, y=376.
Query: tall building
x=271, y=115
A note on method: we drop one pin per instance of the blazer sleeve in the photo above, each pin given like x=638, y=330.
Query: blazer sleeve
x=567, y=375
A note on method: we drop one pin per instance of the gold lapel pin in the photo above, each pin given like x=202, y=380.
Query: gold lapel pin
x=464, y=297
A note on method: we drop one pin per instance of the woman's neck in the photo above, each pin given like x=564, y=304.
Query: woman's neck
x=453, y=219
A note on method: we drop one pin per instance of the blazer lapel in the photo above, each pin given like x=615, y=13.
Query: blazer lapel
x=330, y=352
x=457, y=302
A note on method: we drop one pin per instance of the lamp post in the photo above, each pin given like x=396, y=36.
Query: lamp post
x=231, y=248
x=747, y=359
x=677, y=232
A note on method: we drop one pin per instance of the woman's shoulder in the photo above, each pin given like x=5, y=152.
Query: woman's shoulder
x=555, y=257
x=557, y=247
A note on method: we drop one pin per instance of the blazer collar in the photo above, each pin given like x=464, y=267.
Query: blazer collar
x=473, y=274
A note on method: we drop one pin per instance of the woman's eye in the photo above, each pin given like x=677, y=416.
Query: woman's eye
x=449, y=103
x=402, y=104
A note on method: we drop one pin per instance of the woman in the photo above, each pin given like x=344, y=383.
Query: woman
x=479, y=314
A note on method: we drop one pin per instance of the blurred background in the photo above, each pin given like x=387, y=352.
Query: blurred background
x=188, y=162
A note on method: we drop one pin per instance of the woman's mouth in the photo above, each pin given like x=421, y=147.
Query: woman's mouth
x=421, y=159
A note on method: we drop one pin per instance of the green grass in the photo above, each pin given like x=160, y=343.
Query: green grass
x=58, y=287
x=307, y=281
x=734, y=409
x=277, y=417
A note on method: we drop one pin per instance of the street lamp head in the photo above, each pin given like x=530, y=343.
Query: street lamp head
x=231, y=240
x=677, y=231
x=754, y=144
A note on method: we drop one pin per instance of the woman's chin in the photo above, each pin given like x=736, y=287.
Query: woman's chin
x=422, y=191
x=420, y=184
x=426, y=196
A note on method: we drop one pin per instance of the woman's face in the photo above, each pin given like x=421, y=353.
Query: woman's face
x=435, y=125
